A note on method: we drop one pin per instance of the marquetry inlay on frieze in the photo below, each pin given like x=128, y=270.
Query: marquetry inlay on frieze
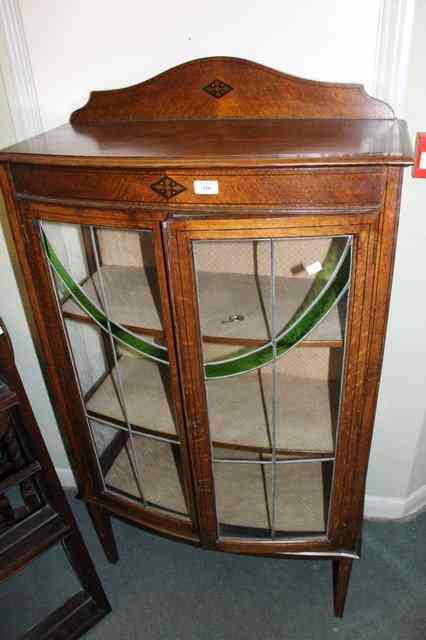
x=167, y=187
x=218, y=88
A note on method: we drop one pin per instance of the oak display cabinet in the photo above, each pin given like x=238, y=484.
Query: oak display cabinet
x=208, y=257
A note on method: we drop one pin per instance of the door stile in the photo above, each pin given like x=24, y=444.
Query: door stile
x=161, y=267
x=182, y=278
x=384, y=233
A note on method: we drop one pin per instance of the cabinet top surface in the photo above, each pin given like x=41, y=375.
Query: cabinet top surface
x=219, y=143
x=223, y=112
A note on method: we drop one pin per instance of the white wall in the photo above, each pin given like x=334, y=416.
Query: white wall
x=80, y=45
x=398, y=461
x=12, y=312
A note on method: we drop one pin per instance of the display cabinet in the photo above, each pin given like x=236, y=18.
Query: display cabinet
x=208, y=257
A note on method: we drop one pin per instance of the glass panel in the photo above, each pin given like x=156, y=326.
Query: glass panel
x=109, y=296
x=95, y=295
x=306, y=403
x=245, y=497
x=117, y=459
x=234, y=292
x=127, y=274
x=162, y=474
x=273, y=378
x=141, y=467
x=138, y=390
x=303, y=494
x=87, y=345
x=309, y=302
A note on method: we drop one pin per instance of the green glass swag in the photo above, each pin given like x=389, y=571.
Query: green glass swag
x=328, y=287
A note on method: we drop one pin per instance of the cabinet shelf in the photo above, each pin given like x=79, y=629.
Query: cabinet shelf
x=159, y=473
x=131, y=296
x=244, y=491
x=238, y=407
x=133, y=301
x=240, y=411
x=146, y=393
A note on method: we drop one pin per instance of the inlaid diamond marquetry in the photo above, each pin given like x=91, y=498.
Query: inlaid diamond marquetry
x=167, y=187
x=218, y=88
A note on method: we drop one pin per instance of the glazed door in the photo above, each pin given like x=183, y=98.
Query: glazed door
x=266, y=326
x=112, y=296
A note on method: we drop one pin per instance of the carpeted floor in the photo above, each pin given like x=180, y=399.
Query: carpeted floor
x=165, y=590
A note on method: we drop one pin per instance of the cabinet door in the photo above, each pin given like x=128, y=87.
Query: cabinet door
x=112, y=295
x=266, y=320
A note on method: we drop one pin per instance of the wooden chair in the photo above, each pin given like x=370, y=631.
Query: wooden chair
x=42, y=518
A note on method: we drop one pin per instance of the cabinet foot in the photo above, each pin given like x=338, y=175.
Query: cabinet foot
x=102, y=523
x=341, y=574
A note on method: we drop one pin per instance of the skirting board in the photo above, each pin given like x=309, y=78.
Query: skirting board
x=380, y=508
x=376, y=507
x=66, y=478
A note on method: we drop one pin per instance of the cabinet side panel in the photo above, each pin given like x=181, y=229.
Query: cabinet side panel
x=347, y=520
x=386, y=230
x=357, y=358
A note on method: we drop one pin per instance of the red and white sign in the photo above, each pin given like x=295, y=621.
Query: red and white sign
x=419, y=169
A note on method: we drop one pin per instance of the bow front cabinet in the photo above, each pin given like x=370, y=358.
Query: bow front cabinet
x=208, y=257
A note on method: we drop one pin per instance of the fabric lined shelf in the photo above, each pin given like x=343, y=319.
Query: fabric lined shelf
x=244, y=491
x=244, y=498
x=159, y=474
x=133, y=300
x=239, y=407
x=146, y=388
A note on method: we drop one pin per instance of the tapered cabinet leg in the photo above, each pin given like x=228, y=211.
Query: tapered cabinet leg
x=341, y=574
x=103, y=526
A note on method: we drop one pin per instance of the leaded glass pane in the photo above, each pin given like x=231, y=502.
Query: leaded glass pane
x=273, y=375
x=108, y=292
x=245, y=498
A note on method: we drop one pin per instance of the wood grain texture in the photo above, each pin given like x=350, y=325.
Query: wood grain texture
x=297, y=189
x=253, y=91
x=342, y=568
x=219, y=143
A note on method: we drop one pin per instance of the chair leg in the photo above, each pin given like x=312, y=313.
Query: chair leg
x=102, y=523
x=84, y=568
x=342, y=568
x=6, y=512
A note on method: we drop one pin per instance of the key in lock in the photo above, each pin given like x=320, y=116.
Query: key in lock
x=234, y=317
